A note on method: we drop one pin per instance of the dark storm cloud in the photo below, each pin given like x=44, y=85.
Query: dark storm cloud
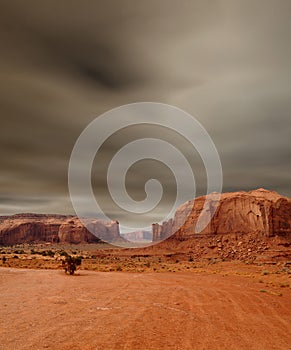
x=63, y=63
x=84, y=47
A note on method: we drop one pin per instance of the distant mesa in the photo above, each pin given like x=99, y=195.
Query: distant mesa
x=33, y=228
x=138, y=236
x=259, y=212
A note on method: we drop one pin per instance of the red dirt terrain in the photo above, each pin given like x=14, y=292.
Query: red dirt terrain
x=46, y=309
x=225, y=288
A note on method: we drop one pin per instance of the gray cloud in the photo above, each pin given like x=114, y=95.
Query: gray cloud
x=62, y=64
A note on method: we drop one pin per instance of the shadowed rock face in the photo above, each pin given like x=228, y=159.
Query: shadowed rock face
x=29, y=228
x=260, y=211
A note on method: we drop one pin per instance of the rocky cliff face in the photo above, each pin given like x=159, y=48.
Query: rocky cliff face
x=29, y=228
x=260, y=212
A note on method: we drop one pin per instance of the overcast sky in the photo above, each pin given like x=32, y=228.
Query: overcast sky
x=63, y=63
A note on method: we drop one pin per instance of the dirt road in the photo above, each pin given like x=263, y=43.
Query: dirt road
x=48, y=310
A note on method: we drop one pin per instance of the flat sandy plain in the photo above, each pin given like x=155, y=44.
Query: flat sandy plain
x=215, y=309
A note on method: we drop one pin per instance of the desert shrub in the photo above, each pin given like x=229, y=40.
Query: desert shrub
x=286, y=270
x=4, y=259
x=191, y=258
x=19, y=251
x=63, y=253
x=15, y=257
x=265, y=273
x=147, y=264
x=118, y=268
x=50, y=253
x=78, y=260
x=71, y=263
x=284, y=285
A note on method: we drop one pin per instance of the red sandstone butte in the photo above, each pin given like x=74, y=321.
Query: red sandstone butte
x=260, y=212
x=34, y=228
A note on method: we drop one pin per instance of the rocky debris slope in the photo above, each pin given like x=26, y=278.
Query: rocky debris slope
x=245, y=226
x=33, y=228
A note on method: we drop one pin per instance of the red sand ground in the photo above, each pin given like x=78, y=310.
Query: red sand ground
x=45, y=309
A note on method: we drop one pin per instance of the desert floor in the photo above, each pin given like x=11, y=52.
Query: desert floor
x=46, y=309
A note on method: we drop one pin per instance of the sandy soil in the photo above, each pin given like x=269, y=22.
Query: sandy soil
x=118, y=310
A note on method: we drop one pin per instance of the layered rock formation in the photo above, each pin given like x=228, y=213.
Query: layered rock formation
x=259, y=212
x=29, y=228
